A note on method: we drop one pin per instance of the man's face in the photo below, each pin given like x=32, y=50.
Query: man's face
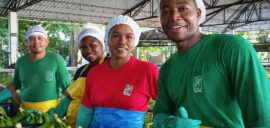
x=179, y=19
x=91, y=49
x=121, y=41
x=37, y=44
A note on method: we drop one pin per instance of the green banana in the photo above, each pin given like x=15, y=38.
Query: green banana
x=46, y=117
x=2, y=111
x=2, y=122
x=8, y=121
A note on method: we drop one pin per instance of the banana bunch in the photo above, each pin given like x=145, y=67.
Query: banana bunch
x=28, y=117
x=5, y=121
x=56, y=123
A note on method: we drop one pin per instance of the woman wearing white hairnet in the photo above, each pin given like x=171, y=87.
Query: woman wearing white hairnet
x=91, y=44
x=118, y=91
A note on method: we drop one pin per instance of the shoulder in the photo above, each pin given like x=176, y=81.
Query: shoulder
x=227, y=41
x=144, y=65
x=80, y=69
x=227, y=38
x=22, y=59
x=100, y=67
x=55, y=56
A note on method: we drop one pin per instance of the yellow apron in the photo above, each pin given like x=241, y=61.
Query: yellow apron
x=75, y=91
x=42, y=106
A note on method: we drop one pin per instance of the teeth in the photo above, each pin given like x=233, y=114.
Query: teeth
x=120, y=49
x=90, y=55
x=176, y=27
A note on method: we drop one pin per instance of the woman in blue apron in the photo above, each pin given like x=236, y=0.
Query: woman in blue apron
x=118, y=91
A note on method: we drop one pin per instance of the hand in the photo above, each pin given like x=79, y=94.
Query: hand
x=163, y=120
x=182, y=121
x=33, y=116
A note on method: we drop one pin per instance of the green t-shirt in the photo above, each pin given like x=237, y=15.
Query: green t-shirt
x=220, y=81
x=41, y=80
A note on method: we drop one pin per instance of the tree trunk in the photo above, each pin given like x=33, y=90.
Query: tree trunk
x=73, y=45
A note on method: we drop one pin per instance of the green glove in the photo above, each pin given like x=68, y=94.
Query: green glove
x=4, y=95
x=84, y=118
x=33, y=117
x=60, y=109
x=163, y=120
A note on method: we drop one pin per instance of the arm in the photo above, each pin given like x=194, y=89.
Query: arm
x=15, y=97
x=14, y=86
x=250, y=82
x=62, y=75
x=86, y=111
x=163, y=102
x=166, y=114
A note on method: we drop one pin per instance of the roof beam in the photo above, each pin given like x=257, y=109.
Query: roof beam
x=139, y=7
x=28, y=3
x=13, y=5
x=237, y=17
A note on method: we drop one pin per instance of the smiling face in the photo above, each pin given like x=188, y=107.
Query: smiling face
x=91, y=49
x=179, y=19
x=37, y=44
x=121, y=41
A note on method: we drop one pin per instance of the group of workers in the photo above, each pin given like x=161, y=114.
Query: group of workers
x=212, y=80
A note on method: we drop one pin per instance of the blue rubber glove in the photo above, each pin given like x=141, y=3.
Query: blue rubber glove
x=4, y=95
x=60, y=109
x=162, y=120
x=84, y=118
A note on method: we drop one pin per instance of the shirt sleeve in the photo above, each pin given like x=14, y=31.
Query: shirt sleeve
x=153, y=81
x=163, y=103
x=250, y=83
x=62, y=75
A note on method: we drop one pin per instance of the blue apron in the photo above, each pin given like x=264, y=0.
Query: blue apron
x=116, y=118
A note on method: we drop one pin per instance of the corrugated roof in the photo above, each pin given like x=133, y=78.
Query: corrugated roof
x=222, y=15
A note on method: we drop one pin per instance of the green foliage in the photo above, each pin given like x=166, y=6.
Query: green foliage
x=154, y=49
x=60, y=36
x=3, y=42
x=5, y=78
x=263, y=36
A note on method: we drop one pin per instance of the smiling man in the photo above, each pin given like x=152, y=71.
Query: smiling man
x=212, y=80
x=40, y=74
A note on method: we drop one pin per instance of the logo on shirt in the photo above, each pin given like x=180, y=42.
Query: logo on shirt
x=128, y=90
x=49, y=76
x=197, y=84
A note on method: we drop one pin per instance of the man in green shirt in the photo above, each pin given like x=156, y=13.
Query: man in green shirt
x=40, y=75
x=212, y=80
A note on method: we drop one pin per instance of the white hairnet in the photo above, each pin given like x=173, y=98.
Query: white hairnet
x=36, y=31
x=90, y=32
x=123, y=20
x=199, y=4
